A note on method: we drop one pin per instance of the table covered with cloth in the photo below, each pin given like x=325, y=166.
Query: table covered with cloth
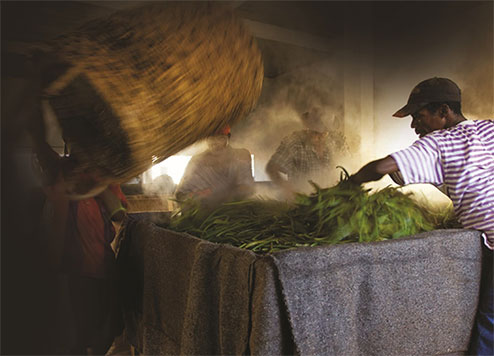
x=184, y=295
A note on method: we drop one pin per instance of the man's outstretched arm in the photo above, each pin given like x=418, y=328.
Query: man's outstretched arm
x=375, y=170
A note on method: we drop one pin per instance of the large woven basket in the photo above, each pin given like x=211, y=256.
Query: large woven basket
x=149, y=81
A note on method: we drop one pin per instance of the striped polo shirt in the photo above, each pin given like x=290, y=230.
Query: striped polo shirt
x=462, y=158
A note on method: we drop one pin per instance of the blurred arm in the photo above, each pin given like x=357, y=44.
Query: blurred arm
x=115, y=202
x=274, y=170
x=244, y=185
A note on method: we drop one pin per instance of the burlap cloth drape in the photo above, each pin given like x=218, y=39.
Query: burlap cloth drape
x=411, y=296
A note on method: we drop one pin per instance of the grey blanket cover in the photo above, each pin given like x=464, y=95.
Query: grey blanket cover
x=412, y=296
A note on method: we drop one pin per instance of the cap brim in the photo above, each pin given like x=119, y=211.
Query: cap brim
x=409, y=109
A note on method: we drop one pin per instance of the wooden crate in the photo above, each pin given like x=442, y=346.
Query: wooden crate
x=150, y=203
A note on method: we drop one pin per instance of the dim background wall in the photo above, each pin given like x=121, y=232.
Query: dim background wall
x=372, y=54
x=375, y=53
x=419, y=40
x=358, y=60
x=412, y=43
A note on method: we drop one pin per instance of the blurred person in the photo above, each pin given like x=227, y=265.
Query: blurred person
x=81, y=233
x=160, y=185
x=72, y=242
x=219, y=174
x=459, y=154
x=302, y=156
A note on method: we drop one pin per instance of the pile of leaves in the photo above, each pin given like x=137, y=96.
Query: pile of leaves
x=340, y=214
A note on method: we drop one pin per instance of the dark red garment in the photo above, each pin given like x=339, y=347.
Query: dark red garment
x=96, y=313
x=90, y=232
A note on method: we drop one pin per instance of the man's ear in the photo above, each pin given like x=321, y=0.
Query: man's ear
x=444, y=110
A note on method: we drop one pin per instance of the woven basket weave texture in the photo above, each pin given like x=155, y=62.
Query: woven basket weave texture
x=149, y=81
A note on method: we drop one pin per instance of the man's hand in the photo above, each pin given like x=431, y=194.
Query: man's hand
x=288, y=190
x=274, y=172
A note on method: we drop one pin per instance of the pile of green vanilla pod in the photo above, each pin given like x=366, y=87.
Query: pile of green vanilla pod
x=340, y=214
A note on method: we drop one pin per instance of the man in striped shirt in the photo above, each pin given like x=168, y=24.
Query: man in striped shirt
x=459, y=155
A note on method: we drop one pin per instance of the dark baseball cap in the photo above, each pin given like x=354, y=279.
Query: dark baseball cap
x=432, y=90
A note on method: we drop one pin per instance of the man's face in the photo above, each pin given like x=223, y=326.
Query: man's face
x=319, y=138
x=425, y=122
